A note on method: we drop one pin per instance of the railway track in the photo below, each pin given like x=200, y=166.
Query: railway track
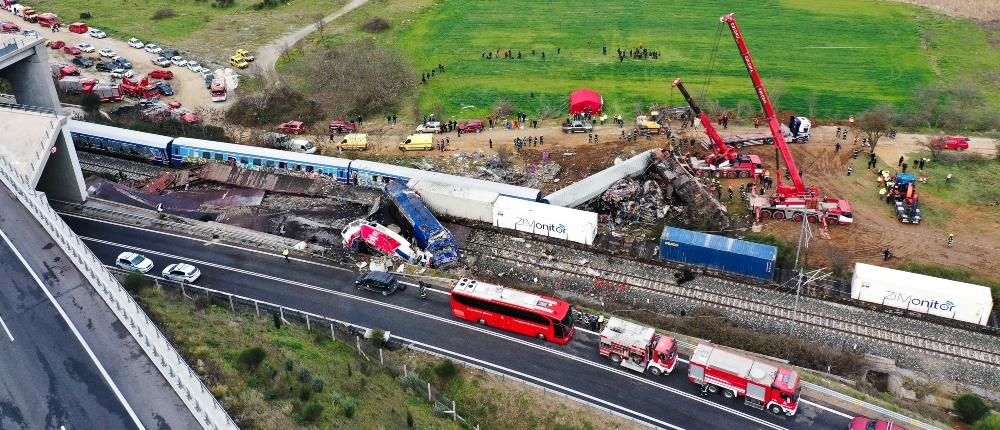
x=96, y=166
x=714, y=298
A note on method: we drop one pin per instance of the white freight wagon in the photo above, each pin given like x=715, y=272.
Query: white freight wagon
x=456, y=201
x=920, y=293
x=545, y=220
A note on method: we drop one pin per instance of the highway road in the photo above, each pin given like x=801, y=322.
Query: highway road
x=575, y=369
x=48, y=378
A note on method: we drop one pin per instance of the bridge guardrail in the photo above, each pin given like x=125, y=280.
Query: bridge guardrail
x=195, y=395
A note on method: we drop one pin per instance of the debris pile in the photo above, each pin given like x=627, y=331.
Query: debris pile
x=629, y=200
x=701, y=205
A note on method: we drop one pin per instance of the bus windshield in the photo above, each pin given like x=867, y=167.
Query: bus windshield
x=562, y=328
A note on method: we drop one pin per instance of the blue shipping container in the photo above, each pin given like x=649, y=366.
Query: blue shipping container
x=718, y=252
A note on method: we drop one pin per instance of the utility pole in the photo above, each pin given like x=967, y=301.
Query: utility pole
x=805, y=233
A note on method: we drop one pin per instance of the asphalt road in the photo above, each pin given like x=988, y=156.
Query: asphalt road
x=575, y=369
x=47, y=379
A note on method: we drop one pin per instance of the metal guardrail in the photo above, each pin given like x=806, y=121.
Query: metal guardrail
x=195, y=395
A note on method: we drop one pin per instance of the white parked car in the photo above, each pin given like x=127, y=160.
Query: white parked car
x=194, y=66
x=181, y=272
x=133, y=262
x=86, y=47
x=153, y=49
x=107, y=52
x=162, y=62
x=430, y=127
x=122, y=73
x=178, y=61
x=97, y=34
x=136, y=43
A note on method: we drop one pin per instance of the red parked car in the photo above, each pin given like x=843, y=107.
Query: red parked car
x=72, y=50
x=9, y=27
x=341, y=126
x=958, y=143
x=161, y=74
x=292, y=127
x=865, y=423
x=471, y=126
x=57, y=44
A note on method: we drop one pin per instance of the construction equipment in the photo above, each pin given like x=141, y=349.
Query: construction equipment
x=724, y=160
x=903, y=195
x=638, y=347
x=796, y=201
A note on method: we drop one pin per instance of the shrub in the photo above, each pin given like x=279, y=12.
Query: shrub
x=135, y=282
x=251, y=357
x=349, y=408
x=289, y=365
x=273, y=104
x=312, y=412
x=304, y=375
x=164, y=13
x=318, y=385
x=990, y=422
x=378, y=337
x=277, y=321
x=305, y=394
x=375, y=24
x=90, y=102
x=335, y=398
x=446, y=370
x=970, y=408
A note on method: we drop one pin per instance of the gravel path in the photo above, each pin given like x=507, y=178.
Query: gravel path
x=268, y=54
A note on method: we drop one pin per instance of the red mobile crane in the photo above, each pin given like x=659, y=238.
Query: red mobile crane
x=724, y=160
x=795, y=201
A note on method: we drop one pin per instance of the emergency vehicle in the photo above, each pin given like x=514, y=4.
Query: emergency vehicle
x=763, y=385
x=637, y=347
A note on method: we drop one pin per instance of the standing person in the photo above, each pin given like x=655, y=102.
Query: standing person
x=836, y=148
x=725, y=121
x=491, y=143
x=284, y=253
x=951, y=239
x=921, y=162
x=850, y=169
x=900, y=162
x=904, y=167
x=730, y=192
x=886, y=255
x=756, y=122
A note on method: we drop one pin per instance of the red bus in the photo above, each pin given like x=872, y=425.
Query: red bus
x=520, y=312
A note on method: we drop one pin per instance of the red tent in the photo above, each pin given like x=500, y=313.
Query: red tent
x=582, y=99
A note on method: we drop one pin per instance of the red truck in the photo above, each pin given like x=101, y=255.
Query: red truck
x=48, y=20
x=764, y=385
x=292, y=127
x=957, y=143
x=79, y=28
x=82, y=85
x=64, y=70
x=341, y=126
x=471, y=126
x=9, y=27
x=639, y=348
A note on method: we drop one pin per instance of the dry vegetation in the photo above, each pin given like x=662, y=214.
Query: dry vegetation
x=979, y=10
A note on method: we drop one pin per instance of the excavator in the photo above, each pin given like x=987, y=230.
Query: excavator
x=795, y=201
x=724, y=161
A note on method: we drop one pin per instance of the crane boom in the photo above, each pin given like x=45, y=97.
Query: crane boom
x=765, y=103
x=719, y=147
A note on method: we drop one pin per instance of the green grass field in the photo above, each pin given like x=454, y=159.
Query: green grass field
x=846, y=55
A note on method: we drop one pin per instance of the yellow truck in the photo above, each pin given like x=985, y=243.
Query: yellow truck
x=354, y=141
x=645, y=123
x=416, y=142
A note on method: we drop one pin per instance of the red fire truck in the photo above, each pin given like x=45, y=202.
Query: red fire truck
x=764, y=385
x=636, y=347
x=518, y=311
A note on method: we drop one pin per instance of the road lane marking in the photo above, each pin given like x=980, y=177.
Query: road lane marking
x=461, y=324
x=79, y=337
x=831, y=410
x=6, y=330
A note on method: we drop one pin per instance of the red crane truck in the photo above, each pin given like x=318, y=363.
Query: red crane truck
x=796, y=201
x=724, y=160
x=636, y=347
x=763, y=385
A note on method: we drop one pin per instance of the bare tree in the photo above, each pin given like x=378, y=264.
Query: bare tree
x=775, y=90
x=285, y=51
x=503, y=108
x=320, y=24
x=931, y=143
x=877, y=121
x=811, y=101
x=743, y=107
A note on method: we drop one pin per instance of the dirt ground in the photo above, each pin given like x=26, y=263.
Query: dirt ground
x=189, y=87
x=875, y=226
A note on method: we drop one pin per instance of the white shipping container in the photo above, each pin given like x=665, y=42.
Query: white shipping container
x=456, y=201
x=920, y=293
x=545, y=220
